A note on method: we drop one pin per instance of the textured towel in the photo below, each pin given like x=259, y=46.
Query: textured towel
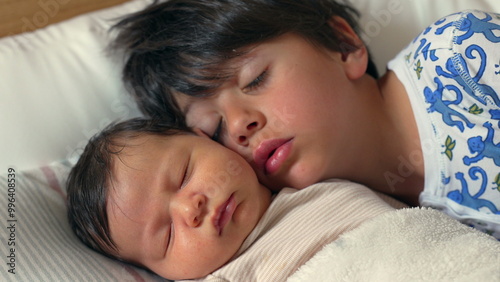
x=407, y=245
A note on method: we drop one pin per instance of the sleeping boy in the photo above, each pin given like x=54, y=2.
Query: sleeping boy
x=289, y=86
x=185, y=207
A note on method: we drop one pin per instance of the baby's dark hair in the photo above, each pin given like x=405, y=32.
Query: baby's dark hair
x=89, y=180
x=183, y=46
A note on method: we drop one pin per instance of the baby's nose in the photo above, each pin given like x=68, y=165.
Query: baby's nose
x=193, y=209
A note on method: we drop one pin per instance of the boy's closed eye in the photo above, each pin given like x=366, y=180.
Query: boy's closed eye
x=252, y=86
x=257, y=82
x=216, y=136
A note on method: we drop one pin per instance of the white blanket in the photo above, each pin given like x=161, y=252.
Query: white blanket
x=407, y=245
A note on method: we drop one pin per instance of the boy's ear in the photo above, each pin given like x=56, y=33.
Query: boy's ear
x=352, y=49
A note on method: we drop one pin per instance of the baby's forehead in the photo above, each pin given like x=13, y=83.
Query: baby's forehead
x=128, y=149
x=132, y=173
x=132, y=152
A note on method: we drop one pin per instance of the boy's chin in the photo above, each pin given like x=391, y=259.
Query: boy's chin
x=277, y=184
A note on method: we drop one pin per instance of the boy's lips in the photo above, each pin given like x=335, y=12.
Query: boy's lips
x=271, y=154
x=223, y=214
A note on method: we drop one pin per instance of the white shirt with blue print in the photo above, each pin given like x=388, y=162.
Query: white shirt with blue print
x=451, y=73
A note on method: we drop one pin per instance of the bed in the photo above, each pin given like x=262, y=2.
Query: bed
x=58, y=87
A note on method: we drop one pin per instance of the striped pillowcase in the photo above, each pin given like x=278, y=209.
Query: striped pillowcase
x=36, y=241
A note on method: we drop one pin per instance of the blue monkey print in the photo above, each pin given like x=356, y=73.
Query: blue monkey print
x=495, y=114
x=484, y=148
x=441, y=29
x=452, y=72
x=435, y=98
x=464, y=197
x=474, y=25
x=424, y=50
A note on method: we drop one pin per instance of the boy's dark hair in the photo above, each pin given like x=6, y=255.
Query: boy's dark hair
x=180, y=46
x=89, y=180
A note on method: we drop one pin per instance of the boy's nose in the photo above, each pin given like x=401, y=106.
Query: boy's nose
x=245, y=132
x=243, y=124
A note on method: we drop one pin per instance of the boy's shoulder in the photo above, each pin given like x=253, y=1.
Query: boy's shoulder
x=475, y=23
x=460, y=48
x=457, y=30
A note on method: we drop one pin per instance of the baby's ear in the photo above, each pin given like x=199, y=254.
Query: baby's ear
x=353, y=51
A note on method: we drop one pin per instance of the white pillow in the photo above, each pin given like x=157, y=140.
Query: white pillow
x=389, y=25
x=59, y=87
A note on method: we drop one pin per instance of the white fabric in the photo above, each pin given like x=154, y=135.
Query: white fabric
x=58, y=88
x=452, y=97
x=296, y=225
x=406, y=245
